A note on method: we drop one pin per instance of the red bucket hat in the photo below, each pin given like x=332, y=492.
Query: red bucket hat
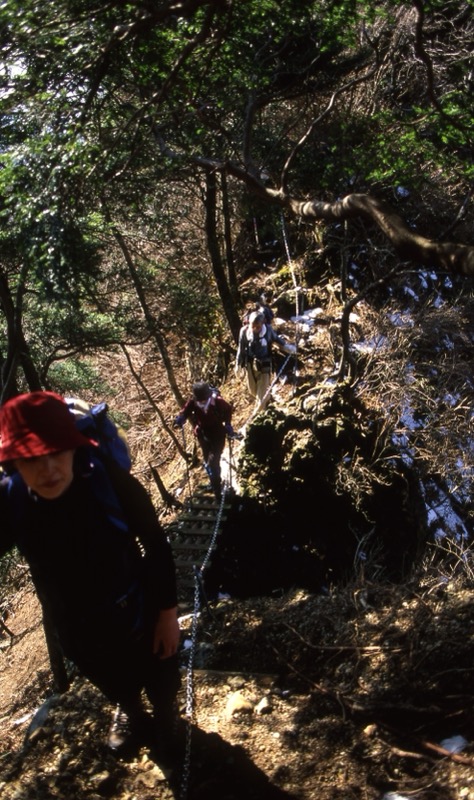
x=37, y=424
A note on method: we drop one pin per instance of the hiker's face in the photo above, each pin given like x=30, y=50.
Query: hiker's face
x=49, y=476
x=257, y=327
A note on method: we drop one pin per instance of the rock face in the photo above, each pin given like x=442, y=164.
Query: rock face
x=318, y=501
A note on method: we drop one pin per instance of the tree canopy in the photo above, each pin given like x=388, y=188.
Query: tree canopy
x=139, y=138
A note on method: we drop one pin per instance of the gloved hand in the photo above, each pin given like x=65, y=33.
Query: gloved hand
x=179, y=421
x=231, y=433
x=290, y=348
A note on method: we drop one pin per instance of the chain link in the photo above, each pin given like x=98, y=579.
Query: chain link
x=190, y=705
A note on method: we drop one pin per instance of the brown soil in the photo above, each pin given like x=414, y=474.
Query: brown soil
x=358, y=691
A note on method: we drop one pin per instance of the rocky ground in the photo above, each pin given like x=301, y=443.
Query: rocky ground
x=364, y=693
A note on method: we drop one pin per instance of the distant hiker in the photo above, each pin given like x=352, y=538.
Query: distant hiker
x=211, y=417
x=261, y=307
x=254, y=354
x=103, y=570
x=265, y=309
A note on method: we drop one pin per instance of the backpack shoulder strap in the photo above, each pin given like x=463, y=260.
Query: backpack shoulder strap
x=104, y=491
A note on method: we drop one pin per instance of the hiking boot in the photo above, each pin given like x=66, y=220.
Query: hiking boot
x=120, y=731
x=168, y=740
x=128, y=731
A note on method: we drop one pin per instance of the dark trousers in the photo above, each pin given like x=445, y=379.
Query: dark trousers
x=212, y=448
x=123, y=669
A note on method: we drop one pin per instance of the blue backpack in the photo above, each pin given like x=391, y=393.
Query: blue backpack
x=95, y=423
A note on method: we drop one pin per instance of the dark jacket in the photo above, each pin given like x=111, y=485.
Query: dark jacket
x=257, y=347
x=83, y=566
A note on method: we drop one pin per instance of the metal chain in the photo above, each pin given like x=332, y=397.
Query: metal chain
x=190, y=707
x=190, y=710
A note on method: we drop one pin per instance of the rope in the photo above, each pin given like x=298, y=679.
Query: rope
x=290, y=264
x=190, y=705
x=295, y=284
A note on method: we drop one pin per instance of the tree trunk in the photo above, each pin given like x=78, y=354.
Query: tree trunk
x=150, y=320
x=222, y=284
x=148, y=396
x=229, y=252
x=18, y=352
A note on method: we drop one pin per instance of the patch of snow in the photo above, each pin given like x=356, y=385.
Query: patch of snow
x=423, y=281
x=448, y=343
x=370, y=345
x=451, y=400
x=301, y=318
x=394, y=796
x=400, y=320
x=442, y=518
x=408, y=420
x=454, y=744
x=411, y=293
x=314, y=312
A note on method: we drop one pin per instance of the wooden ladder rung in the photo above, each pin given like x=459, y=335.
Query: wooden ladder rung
x=199, y=532
x=191, y=549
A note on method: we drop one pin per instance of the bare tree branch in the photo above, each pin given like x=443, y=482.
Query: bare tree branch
x=411, y=246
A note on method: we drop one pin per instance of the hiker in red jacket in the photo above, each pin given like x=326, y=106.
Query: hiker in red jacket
x=211, y=417
x=103, y=571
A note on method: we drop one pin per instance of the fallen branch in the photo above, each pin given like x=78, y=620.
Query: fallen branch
x=423, y=744
x=354, y=648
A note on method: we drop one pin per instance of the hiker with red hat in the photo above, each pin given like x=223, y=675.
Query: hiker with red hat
x=106, y=584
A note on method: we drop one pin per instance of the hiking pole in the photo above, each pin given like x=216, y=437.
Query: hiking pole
x=229, y=439
x=188, y=476
x=272, y=384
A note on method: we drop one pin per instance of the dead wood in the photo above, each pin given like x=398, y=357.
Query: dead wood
x=409, y=245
